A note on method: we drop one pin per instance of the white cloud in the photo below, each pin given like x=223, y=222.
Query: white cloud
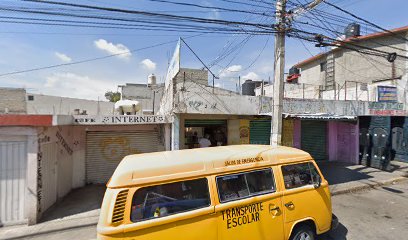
x=76, y=86
x=63, y=57
x=252, y=76
x=230, y=70
x=148, y=64
x=112, y=48
x=214, y=13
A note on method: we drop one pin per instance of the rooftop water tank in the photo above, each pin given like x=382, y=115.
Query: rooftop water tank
x=352, y=30
x=151, y=80
x=128, y=107
x=248, y=87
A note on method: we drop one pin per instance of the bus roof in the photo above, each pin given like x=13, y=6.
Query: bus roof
x=148, y=168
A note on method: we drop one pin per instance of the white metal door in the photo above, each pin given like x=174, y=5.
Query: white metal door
x=104, y=151
x=13, y=175
x=49, y=175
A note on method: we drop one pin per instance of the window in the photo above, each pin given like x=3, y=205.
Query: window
x=299, y=175
x=167, y=199
x=242, y=185
x=30, y=98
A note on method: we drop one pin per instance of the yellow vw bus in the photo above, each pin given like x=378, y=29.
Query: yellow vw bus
x=233, y=192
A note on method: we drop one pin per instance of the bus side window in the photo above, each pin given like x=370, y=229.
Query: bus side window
x=167, y=199
x=297, y=175
x=242, y=185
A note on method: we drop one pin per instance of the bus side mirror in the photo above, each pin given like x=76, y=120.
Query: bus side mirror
x=318, y=182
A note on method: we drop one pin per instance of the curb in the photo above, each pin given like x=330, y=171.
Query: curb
x=367, y=186
x=48, y=227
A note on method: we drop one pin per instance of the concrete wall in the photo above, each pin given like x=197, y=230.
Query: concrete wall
x=192, y=75
x=197, y=98
x=12, y=100
x=53, y=105
x=144, y=94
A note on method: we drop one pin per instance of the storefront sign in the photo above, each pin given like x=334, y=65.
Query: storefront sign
x=174, y=65
x=386, y=109
x=119, y=119
x=387, y=94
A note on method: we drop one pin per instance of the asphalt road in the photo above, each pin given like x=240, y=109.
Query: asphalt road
x=377, y=214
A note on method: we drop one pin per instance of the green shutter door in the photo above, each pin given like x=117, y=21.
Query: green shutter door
x=260, y=132
x=314, y=139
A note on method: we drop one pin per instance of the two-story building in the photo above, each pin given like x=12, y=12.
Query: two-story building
x=348, y=72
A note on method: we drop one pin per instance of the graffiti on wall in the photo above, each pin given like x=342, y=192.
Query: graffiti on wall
x=386, y=109
x=265, y=105
x=244, y=132
x=115, y=148
x=39, y=177
x=197, y=105
x=64, y=143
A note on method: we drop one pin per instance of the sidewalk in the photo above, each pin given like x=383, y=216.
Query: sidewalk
x=345, y=178
x=81, y=207
x=78, y=209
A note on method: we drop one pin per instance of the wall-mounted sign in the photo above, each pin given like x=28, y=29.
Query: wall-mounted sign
x=387, y=94
x=119, y=119
x=174, y=65
x=386, y=109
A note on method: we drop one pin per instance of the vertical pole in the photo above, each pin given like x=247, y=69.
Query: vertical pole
x=303, y=90
x=239, y=85
x=345, y=90
x=279, y=68
x=356, y=91
x=213, y=84
x=368, y=94
x=154, y=98
x=262, y=88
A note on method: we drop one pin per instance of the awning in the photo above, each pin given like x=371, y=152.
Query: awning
x=321, y=116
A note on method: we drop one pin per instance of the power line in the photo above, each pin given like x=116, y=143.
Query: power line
x=366, y=21
x=90, y=59
x=207, y=7
x=195, y=54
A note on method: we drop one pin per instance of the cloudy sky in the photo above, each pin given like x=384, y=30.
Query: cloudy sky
x=28, y=46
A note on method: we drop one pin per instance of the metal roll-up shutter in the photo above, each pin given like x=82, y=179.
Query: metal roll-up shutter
x=260, y=132
x=314, y=139
x=13, y=182
x=104, y=151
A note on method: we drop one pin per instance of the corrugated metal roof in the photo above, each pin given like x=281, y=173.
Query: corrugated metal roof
x=321, y=116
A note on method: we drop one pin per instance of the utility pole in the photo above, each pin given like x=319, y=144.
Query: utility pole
x=279, y=74
x=282, y=21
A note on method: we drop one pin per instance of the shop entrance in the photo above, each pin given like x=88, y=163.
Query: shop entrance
x=314, y=139
x=213, y=130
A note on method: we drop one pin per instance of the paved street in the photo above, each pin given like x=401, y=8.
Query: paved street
x=379, y=214
x=85, y=233
x=376, y=214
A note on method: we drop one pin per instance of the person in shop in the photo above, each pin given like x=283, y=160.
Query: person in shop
x=205, y=141
x=219, y=138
